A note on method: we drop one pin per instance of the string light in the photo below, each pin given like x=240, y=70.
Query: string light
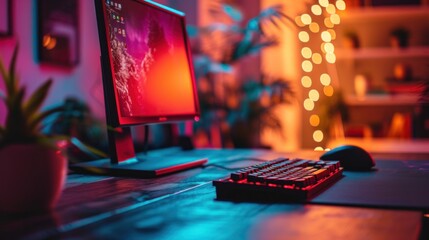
x=331, y=58
x=306, y=82
x=328, y=91
x=341, y=5
x=314, y=120
x=324, y=3
x=325, y=79
x=316, y=58
x=306, y=19
x=318, y=149
x=335, y=19
x=303, y=36
x=333, y=33
x=328, y=47
x=314, y=27
x=308, y=104
x=316, y=10
x=307, y=66
x=299, y=22
x=314, y=95
x=331, y=9
x=306, y=52
x=328, y=23
x=328, y=20
x=326, y=36
x=318, y=136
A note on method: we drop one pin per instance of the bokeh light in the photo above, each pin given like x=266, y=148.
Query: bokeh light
x=326, y=36
x=328, y=48
x=316, y=10
x=318, y=149
x=314, y=120
x=328, y=91
x=306, y=81
x=331, y=58
x=314, y=95
x=328, y=23
x=306, y=52
x=308, y=104
x=316, y=58
x=331, y=9
x=341, y=5
x=333, y=33
x=318, y=136
x=306, y=18
x=303, y=36
x=299, y=22
x=307, y=66
x=314, y=27
x=335, y=19
x=324, y=3
x=325, y=79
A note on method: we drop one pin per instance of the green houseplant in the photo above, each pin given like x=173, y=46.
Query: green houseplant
x=32, y=166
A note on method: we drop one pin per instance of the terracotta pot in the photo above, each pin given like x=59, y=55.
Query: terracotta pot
x=31, y=178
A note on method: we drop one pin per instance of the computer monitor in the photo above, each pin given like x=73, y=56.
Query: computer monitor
x=147, y=78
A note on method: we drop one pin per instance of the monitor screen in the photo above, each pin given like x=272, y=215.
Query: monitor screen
x=148, y=74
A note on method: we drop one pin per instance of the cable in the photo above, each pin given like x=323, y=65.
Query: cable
x=146, y=139
x=233, y=160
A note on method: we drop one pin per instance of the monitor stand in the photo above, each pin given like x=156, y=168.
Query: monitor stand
x=123, y=161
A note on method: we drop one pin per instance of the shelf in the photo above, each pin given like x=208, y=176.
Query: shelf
x=368, y=13
x=383, y=100
x=387, y=145
x=386, y=52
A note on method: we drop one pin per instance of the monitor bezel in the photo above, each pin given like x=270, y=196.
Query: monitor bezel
x=113, y=117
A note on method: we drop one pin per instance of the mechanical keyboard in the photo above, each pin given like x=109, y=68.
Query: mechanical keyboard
x=279, y=180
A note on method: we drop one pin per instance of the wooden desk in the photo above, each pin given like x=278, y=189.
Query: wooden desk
x=183, y=206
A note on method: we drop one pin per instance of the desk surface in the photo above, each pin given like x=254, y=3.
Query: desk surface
x=183, y=206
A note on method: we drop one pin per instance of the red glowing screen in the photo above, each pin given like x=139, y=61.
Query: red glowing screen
x=150, y=62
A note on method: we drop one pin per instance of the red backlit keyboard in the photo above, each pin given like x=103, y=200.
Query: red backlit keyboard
x=279, y=180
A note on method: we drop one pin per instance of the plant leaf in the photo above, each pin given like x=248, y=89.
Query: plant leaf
x=36, y=99
x=250, y=48
x=4, y=73
x=87, y=149
x=270, y=16
x=192, y=31
x=232, y=12
x=36, y=119
x=16, y=128
x=2, y=95
x=11, y=81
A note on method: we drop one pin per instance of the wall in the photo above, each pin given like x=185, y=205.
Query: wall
x=82, y=81
x=284, y=61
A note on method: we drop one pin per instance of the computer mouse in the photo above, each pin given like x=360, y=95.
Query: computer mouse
x=351, y=158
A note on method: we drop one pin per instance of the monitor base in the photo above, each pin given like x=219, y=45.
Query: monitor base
x=142, y=167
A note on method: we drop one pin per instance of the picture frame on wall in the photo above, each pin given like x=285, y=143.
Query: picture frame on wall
x=5, y=18
x=58, y=32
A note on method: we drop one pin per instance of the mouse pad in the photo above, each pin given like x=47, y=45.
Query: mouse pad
x=395, y=184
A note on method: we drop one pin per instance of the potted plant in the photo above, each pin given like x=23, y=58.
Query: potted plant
x=32, y=166
x=232, y=105
x=255, y=110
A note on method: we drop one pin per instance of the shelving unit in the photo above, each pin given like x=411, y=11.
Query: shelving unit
x=376, y=58
x=383, y=100
x=383, y=52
